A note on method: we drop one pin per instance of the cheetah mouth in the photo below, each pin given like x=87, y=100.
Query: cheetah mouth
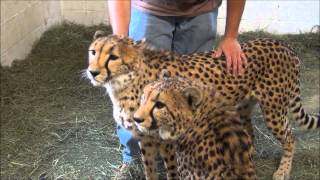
x=163, y=133
x=96, y=83
x=93, y=80
x=147, y=131
x=141, y=128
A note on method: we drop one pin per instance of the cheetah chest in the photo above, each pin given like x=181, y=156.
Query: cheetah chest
x=120, y=114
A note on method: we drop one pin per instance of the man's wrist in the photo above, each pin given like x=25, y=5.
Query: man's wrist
x=229, y=38
x=120, y=33
x=123, y=31
x=230, y=35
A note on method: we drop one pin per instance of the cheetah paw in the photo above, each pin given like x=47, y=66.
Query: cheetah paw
x=280, y=175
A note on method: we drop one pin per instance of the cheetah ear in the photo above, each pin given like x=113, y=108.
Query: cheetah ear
x=193, y=96
x=129, y=54
x=98, y=34
x=164, y=74
x=141, y=42
x=145, y=45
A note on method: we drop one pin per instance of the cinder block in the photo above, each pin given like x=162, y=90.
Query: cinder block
x=67, y=5
x=2, y=11
x=96, y=5
x=32, y=37
x=95, y=17
x=4, y=59
x=31, y=18
x=11, y=31
x=20, y=50
x=75, y=16
x=52, y=12
x=17, y=52
x=12, y=8
x=3, y=44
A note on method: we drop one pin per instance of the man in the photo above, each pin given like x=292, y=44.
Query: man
x=183, y=26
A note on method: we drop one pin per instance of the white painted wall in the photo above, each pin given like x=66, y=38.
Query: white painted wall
x=23, y=21
x=276, y=16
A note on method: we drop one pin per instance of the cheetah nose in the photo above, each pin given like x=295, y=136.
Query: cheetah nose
x=94, y=73
x=138, y=120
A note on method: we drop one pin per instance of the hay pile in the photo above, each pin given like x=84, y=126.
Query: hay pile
x=54, y=124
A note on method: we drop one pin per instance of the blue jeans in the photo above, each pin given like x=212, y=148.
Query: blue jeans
x=183, y=35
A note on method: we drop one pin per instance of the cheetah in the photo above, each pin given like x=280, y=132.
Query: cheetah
x=270, y=79
x=210, y=138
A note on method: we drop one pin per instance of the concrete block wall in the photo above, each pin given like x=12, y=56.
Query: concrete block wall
x=88, y=12
x=23, y=21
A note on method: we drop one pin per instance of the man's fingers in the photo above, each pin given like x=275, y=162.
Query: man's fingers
x=234, y=65
x=244, y=59
x=236, y=60
x=239, y=65
x=218, y=53
x=229, y=63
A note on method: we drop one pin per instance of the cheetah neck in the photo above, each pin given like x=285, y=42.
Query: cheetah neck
x=205, y=112
x=204, y=120
x=118, y=85
x=129, y=83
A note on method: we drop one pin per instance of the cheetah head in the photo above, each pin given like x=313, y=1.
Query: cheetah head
x=111, y=57
x=167, y=106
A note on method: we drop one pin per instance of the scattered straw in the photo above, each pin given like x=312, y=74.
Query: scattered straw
x=54, y=124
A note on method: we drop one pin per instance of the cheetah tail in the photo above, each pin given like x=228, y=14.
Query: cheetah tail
x=304, y=120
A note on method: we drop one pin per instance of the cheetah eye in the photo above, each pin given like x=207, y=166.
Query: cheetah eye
x=93, y=52
x=112, y=57
x=159, y=105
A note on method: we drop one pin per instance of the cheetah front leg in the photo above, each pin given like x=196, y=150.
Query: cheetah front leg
x=245, y=109
x=149, y=153
x=168, y=154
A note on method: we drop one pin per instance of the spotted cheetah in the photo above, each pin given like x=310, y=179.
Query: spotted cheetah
x=271, y=79
x=211, y=141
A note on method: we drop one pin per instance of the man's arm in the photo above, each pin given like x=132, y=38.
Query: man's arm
x=230, y=46
x=234, y=12
x=120, y=13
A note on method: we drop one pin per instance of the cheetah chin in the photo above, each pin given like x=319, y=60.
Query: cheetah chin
x=147, y=131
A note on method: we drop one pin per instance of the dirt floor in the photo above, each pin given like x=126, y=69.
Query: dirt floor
x=55, y=125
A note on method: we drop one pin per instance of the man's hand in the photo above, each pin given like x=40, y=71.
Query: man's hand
x=235, y=58
x=230, y=46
